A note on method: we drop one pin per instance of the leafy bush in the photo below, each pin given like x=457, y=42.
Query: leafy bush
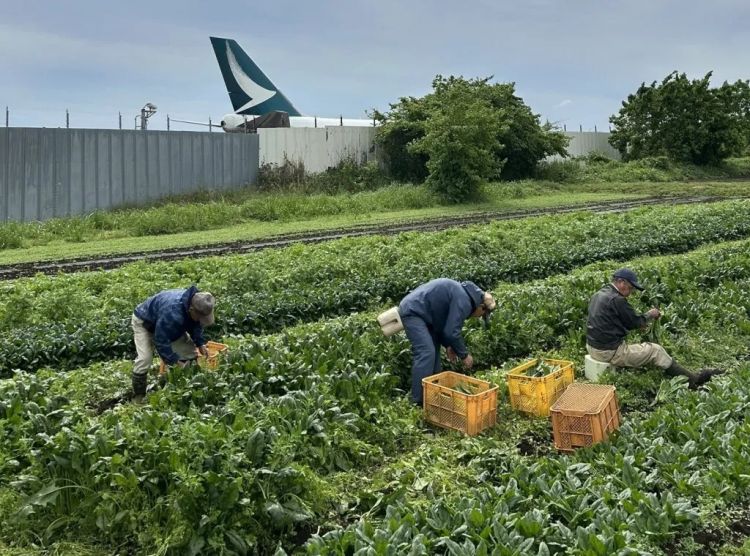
x=11, y=236
x=520, y=140
x=595, y=167
x=684, y=120
x=289, y=175
x=348, y=176
x=560, y=171
x=460, y=141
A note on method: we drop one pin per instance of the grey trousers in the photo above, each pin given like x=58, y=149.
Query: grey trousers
x=633, y=355
x=144, y=347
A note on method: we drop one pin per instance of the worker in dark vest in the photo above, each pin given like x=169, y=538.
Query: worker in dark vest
x=611, y=318
x=433, y=316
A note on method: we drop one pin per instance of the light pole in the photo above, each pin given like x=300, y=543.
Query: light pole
x=146, y=112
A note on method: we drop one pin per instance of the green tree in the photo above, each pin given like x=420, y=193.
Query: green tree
x=460, y=142
x=685, y=120
x=521, y=141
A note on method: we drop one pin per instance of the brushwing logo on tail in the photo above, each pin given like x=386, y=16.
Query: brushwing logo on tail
x=256, y=93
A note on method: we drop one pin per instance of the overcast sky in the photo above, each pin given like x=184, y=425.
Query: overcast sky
x=573, y=61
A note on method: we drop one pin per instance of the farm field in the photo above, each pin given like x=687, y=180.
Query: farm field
x=303, y=440
x=193, y=223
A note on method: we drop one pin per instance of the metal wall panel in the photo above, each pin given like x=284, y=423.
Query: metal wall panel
x=46, y=173
x=322, y=148
x=31, y=173
x=585, y=142
x=4, y=176
x=317, y=148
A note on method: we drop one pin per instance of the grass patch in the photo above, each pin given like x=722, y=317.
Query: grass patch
x=597, y=168
x=120, y=242
x=215, y=217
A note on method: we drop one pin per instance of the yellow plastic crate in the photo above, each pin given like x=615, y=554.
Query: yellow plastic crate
x=215, y=349
x=447, y=407
x=536, y=394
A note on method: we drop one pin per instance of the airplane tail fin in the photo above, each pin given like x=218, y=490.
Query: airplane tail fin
x=250, y=91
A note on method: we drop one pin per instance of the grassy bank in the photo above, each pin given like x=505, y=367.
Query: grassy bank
x=215, y=217
x=41, y=244
x=82, y=237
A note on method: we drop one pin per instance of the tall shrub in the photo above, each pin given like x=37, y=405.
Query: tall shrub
x=460, y=142
x=520, y=140
x=685, y=120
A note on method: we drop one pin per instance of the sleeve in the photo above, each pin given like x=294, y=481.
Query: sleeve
x=196, y=334
x=452, y=331
x=163, y=343
x=627, y=314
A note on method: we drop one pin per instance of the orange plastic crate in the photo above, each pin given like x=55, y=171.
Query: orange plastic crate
x=215, y=349
x=535, y=394
x=447, y=407
x=585, y=414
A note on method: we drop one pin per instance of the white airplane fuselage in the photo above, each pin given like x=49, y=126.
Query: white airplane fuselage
x=238, y=123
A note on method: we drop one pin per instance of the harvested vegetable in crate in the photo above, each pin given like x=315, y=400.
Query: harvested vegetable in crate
x=466, y=388
x=543, y=368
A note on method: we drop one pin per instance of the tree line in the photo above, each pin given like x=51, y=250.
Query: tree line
x=469, y=131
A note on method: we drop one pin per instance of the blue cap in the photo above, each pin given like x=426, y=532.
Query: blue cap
x=629, y=275
x=476, y=294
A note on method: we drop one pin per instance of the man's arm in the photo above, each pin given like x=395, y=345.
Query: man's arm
x=196, y=334
x=628, y=316
x=163, y=343
x=452, y=331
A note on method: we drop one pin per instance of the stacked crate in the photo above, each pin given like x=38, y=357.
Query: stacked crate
x=584, y=415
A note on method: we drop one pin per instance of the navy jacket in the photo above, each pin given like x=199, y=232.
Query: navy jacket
x=444, y=305
x=166, y=316
x=610, y=319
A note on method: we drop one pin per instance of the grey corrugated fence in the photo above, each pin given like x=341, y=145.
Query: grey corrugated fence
x=585, y=142
x=46, y=173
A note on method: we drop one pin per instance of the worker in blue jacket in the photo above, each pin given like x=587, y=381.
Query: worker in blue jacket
x=433, y=316
x=173, y=322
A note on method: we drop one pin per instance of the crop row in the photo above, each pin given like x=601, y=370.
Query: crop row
x=71, y=320
x=236, y=458
x=629, y=496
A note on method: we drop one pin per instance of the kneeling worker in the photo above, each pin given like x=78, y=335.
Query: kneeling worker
x=611, y=318
x=433, y=315
x=173, y=321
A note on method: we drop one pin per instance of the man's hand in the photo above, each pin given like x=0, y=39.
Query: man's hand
x=451, y=355
x=204, y=351
x=653, y=313
x=468, y=362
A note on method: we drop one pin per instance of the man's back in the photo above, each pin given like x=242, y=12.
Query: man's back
x=610, y=318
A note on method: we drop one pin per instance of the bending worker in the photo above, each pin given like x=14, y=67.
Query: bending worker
x=433, y=316
x=173, y=321
x=611, y=318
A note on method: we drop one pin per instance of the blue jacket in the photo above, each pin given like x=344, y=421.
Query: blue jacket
x=444, y=305
x=166, y=316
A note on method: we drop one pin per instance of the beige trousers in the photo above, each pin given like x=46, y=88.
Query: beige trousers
x=633, y=355
x=144, y=347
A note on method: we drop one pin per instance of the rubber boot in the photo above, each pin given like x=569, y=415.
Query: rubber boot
x=139, y=388
x=704, y=375
x=675, y=369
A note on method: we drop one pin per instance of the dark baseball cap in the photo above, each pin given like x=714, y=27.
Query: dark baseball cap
x=629, y=275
